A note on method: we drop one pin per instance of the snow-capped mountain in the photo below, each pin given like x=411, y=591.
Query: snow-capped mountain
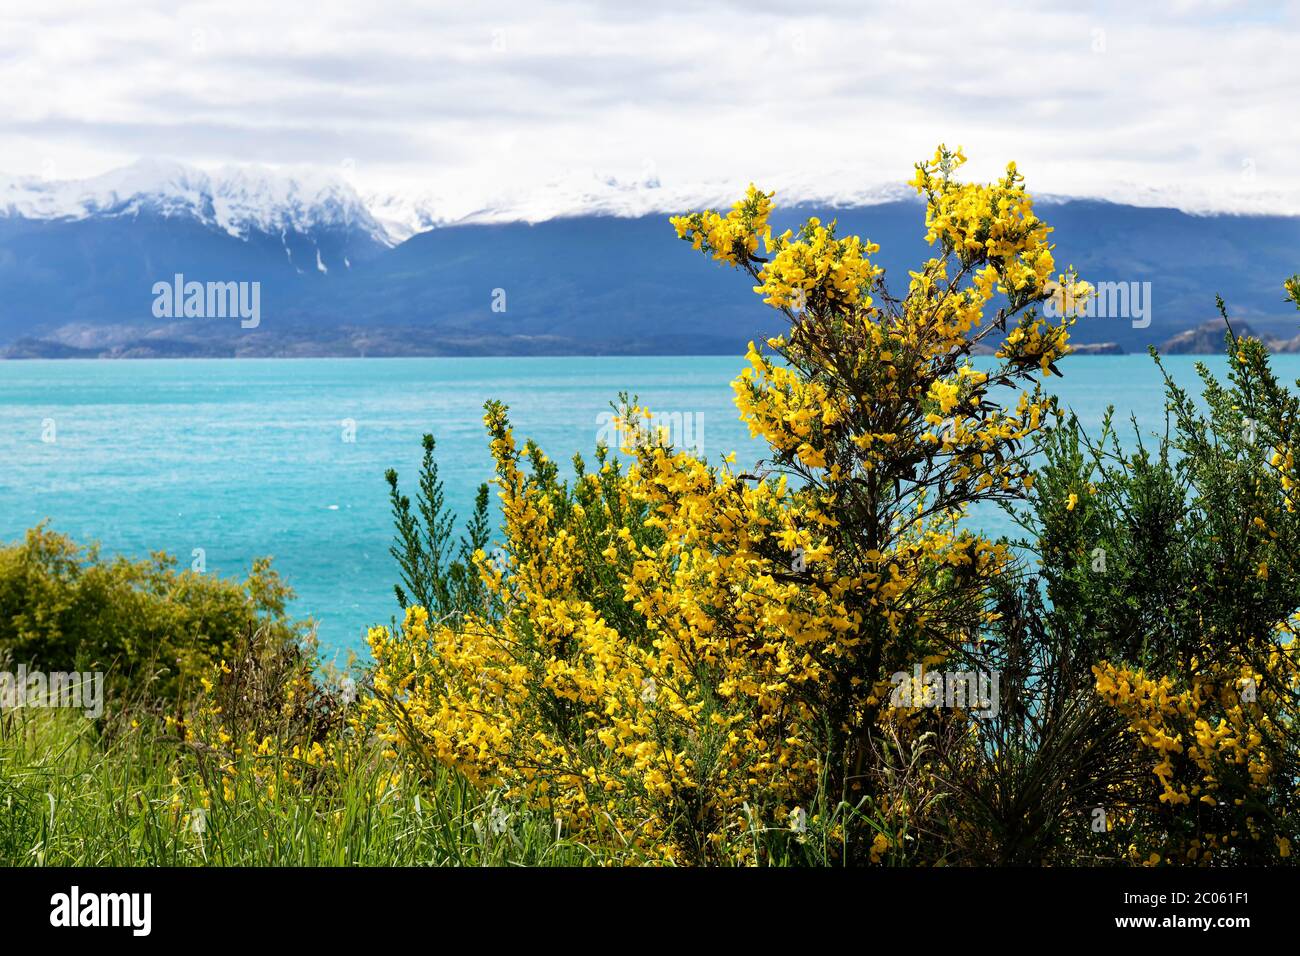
x=235, y=199
x=243, y=200
x=240, y=200
x=588, y=262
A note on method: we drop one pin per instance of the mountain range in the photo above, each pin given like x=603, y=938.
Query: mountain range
x=593, y=269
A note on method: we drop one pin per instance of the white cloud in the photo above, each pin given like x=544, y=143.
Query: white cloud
x=479, y=103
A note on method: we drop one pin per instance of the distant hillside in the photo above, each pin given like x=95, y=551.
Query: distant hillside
x=77, y=272
x=1208, y=339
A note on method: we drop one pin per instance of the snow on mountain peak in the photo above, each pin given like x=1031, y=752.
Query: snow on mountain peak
x=584, y=192
x=578, y=192
x=239, y=199
x=236, y=199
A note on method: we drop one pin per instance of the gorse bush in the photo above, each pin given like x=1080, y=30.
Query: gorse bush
x=686, y=663
x=678, y=656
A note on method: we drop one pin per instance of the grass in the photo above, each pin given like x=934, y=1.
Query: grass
x=127, y=793
x=76, y=794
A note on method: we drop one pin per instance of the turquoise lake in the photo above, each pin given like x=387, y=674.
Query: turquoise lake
x=244, y=458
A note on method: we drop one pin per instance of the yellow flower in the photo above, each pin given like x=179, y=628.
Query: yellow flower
x=879, y=846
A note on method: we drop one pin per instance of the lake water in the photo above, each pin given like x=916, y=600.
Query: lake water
x=286, y=457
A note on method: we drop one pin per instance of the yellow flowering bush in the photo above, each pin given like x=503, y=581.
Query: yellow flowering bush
x=676, y=656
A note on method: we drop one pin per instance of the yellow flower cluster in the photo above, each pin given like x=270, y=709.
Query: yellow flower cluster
x=992, y=223
x=1215, y=745
x=732, y=238
x=1283, y=460
x=816, y=270
x=1292, y=286
x=1035, y=342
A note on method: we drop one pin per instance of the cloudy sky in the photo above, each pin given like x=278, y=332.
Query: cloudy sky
x=1152, y=101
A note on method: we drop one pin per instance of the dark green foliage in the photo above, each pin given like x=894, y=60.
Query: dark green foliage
x=1184, y=550
x=432, y=577
x=1180, y=558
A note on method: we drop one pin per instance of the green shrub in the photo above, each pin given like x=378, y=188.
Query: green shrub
x=146, y=624
x=1168, y=585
